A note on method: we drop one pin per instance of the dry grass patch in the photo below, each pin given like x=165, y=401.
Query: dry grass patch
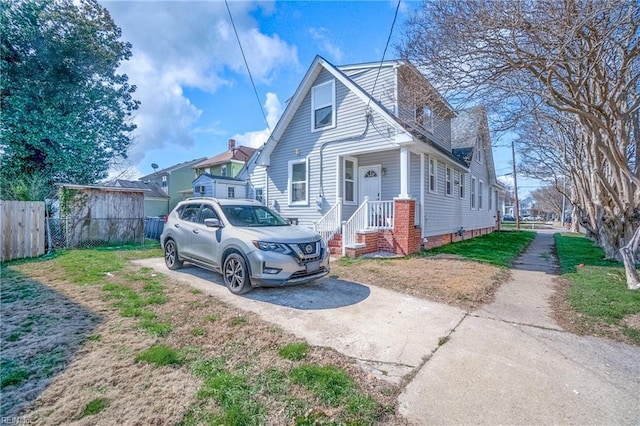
x=106, y=365
x=444, y=278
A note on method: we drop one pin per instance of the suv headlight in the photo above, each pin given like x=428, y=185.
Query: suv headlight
x=269, y=246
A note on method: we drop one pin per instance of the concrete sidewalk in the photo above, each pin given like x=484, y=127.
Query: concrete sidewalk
x=510, y=363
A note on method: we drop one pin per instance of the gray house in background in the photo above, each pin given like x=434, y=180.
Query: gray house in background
x=175, y=180
x=374, y=158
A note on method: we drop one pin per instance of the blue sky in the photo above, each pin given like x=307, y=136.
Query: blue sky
x=192, y=81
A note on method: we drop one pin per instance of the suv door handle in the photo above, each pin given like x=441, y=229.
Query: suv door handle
x=176, y=225
x=195, y=231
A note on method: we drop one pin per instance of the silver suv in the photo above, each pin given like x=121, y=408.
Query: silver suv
x=249, y=244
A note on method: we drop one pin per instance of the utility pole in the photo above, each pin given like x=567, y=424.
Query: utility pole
x=515, y=185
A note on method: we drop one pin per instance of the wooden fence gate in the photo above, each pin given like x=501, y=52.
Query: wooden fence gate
x=22, y=229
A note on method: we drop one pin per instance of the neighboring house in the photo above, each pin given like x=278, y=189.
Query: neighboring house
x=228, y=164
x=174, y=180
x=156, y=200
x=377, y=147
x=207, y=185
x=216, y=176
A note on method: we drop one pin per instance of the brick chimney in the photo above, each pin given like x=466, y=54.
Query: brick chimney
x=232, y=144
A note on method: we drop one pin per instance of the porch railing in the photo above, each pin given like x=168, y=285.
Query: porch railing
x=329, y=224
x=370, y=215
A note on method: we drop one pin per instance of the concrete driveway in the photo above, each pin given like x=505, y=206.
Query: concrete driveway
x=390, y=334
x=506, y=363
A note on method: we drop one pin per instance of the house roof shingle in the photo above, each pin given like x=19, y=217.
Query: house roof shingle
x=152, y=189
x=240, y=153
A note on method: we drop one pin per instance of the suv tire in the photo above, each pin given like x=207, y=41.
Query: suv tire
x=171, y=257
x=236, y=274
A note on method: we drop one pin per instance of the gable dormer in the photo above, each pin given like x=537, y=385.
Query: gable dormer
x=421, y=108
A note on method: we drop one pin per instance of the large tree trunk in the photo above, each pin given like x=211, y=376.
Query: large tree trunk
x=629, y=255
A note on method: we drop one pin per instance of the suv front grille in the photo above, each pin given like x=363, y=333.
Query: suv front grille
x=307, y=252
x=302, y=274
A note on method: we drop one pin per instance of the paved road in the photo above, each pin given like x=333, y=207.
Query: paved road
x=506, y=363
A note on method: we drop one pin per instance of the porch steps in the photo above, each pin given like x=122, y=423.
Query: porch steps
x=335, y=244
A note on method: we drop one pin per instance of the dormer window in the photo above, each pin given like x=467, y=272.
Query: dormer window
x=424, y=116
x=479, y=150
x=223, y=171
x=323, y=102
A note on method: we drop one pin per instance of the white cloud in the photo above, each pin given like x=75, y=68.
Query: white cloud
x=188, y=45
x=321, y=36
x=256, y=139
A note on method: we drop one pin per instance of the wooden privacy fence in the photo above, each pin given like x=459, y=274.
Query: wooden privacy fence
x=22, y=229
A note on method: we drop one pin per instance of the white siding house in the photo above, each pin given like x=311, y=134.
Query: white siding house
x=360, y=147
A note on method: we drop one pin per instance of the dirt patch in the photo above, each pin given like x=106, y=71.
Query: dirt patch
x=446, y=279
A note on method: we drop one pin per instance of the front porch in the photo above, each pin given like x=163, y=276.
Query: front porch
x=389, y=226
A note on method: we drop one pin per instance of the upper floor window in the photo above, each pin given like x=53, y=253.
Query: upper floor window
x=259, y=195
x=298, y=178
x=447, y=180
x=231, y=192
x=424, y=116
x=164, y=181
x=479, y=150
x=433, y=174
x=323, y=100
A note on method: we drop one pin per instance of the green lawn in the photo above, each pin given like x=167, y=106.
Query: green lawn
x=598, y=286
x=499, y=248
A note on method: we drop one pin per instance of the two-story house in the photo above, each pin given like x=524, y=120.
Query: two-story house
x=174, y=180
x=217, y=176
x=374, y=158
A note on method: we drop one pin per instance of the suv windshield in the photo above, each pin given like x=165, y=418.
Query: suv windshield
x=252, y=216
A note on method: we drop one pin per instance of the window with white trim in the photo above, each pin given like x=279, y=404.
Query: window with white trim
x=480, y=190
x=424, y=116
x=349, y=180
x=447, y=180
x=473, y=192
x=259, y=195
x=323, y=101
x=298, y=178
x=231, y=192
x=164, y=181
x=461, y=185
x=479, y=150
x=433, y=175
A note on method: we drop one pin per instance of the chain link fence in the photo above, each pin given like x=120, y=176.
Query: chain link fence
x=91, y=233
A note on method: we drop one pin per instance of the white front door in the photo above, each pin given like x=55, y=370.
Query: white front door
x=369, y=182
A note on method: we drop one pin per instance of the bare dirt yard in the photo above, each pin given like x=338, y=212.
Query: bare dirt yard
x=443, y=278
x=73, y=349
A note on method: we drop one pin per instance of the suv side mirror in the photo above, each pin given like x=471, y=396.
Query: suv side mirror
x=212, y=223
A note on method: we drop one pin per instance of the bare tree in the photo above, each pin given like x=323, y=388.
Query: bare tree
x=577, y=62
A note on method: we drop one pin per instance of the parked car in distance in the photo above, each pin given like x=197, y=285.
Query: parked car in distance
x=508, y=219
x=248, y=243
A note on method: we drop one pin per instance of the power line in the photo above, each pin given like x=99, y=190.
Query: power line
x=246, y=64
x=395, y=16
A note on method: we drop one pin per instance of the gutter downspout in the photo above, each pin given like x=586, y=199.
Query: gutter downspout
x=349, y=139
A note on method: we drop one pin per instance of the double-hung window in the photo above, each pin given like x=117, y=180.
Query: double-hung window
x=323, y=101
x=433, y=173
x=473, y=192
x=349, y=181
x=461, y=187
x=489, y=199
x=480, y=190
x=231, y=192
x=447, y=180
x=298, y=182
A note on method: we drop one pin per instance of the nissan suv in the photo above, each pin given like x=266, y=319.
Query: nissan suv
x=248, y=243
